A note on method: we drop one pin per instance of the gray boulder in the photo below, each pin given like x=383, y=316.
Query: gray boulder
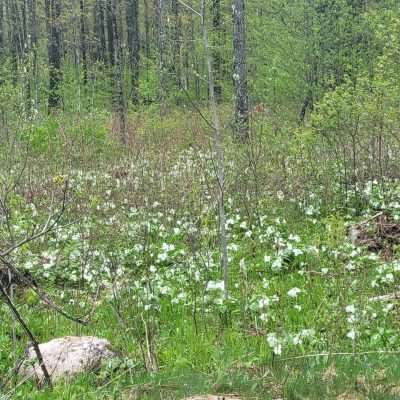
x=66, y=357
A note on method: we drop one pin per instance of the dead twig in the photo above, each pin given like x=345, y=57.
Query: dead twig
x=35, y=344
x=362, y=353
x=370, y=219
x=386, y=297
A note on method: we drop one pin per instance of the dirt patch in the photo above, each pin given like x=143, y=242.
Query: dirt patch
x=379, y=234
x=211, y=397
x=350, y=396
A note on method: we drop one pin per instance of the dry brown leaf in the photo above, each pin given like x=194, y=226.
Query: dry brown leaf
x=330, y=374
x=350, y=396
x=212, y=397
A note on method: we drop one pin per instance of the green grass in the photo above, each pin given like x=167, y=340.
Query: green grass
x=147, y=228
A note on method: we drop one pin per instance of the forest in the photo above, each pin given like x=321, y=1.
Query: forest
x=199, y=199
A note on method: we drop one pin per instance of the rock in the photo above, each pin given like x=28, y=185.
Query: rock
x=66, y=357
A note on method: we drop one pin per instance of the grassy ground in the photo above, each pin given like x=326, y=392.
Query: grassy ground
x=142, y=260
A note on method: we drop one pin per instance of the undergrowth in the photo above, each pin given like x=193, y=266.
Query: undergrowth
x=137, y=252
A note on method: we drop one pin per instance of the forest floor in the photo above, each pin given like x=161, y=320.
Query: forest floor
x=139, y=257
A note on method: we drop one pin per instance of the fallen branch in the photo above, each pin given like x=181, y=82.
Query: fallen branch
x=386, y=297
x=370, y=219
x=315, y=355
x=41, y=293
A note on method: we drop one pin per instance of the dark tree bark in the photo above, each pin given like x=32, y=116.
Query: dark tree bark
x=240, y=71
x=160, y=21
x=110, y=33
x=119, y=100
x=34, y=40
x=83, y=40
x=15, y=37
x=216, y=53
x=54, y=53
x=147, y=27
x=99, y=30
x=2, y=41
x=176, y=43
x=134, y=46
x=24, y=25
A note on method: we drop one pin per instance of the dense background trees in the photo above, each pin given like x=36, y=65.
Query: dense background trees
x=297, y=50
x=280, y=62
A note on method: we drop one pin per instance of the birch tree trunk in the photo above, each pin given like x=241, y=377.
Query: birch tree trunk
x=219, y=153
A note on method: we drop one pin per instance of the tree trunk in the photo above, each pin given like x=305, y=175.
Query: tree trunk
x=110, y=32
x=240, y=72
x=83, y=40
x=99, y=29
x=176, y=38
x=219, y=154
x=160, y=21
x=34, y=39
x=146, y=29
x=119, y=100
x=216, y=54
x=54, y=52
x=134, y=46
x=2, y=41
x=15, y=45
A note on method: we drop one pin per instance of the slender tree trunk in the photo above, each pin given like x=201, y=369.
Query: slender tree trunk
x=34, y=39
x=240, y=71
x=83, y=39
x=219, y=154
x=110, y=32
x=146, y=44
x=119, y=100
x=146, y=29
x=13, y=17
x=27, y=54
x=160, y=21
x=99, y=29
x=134, y=46
x=216, y=54
x=24, y=25
x=310, y=62
x=176, y=38
x=2, y=41
x=54, y=52
x=195, y=62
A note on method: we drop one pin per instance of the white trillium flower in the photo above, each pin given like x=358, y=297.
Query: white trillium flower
x=351, y=309
x=274, y=343
x=215, y=285
x=294, y=292
x=351, y=334
x=264, y=302
x=267, y=259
